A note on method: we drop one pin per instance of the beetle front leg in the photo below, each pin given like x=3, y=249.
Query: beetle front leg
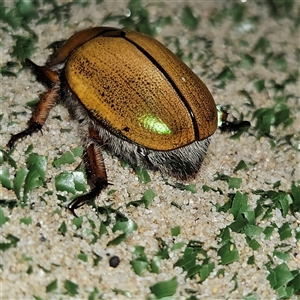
x=39, y=116
x=97, y=171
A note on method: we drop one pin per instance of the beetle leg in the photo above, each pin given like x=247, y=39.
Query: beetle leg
x=39, y=116
x=96, y=167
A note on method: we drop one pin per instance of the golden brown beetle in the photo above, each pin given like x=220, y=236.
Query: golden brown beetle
x=137, y=98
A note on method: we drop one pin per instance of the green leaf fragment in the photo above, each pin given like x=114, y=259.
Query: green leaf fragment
x=27, y=9
x=188, y=19
x=295, y=191
x=71, y=288
x=52, y=286
x=225, y=235
x=252, y=230
x=238, y=225
x=36, y=165
x=13, y=242
x=26, y=221
x=24, y=47
x=139, y=266
x=228, y=253
x=175, y=231
x=239, y=205
x=261, y=45
x=268, y=232
x=5, y=178
x=66, y=158
x=125, y=293
x=78, y=151
x=234, y=183
x=77, y=222
x=164, y=288
x=82, y=256
x=279, y=276
x=147, y=199
x=237, y=12
x=295, y=283
x=143, y=174
x=259, y=85
x=247, y=61
x=282, y=255
x=251, y=260
x=102, y=229
x=285, y=231
x=177, y=246
x=127, y=226
x=224, y=75
x=7, y=157
x=19, y=180
x=65, y=182
x=94, y=294
x=63, y=228
x=240, y=166
x=70, y=182
x=253, y=244
x=3, y=219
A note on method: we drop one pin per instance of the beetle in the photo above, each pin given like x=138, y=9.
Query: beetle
x=137, y=99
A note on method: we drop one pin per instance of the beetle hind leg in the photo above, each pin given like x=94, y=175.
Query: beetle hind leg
x=39, y=115
x=97, y=172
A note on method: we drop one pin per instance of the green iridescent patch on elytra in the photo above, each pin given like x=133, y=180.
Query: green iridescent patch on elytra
x=154, y=124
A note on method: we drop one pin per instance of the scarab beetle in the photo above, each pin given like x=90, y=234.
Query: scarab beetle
x=138, y=100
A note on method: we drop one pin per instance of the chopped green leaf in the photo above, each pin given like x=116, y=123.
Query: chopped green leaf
x=78, y=222
x=147, y=198
x=247, y=61
x=82, y=256
x=3, y=219
x=251, y=260
x=142, y=174
x=5, y=178
x=285, y=231
x=234, y=183
x=282, y=255
x=253, y=243
x=66, y=158
x=63, y=228
x=296, y=197
x=259, y=85
x=36, y=165
x=175, y=231
x=280, y=276
x=164, y=288
x=268, y=232
x=127, y=226
x=19, y=180
x=52, y=286
x=70, y=182
x=188, y=19
x=240, y=166
x=140, y=261
x=24, y=47
x=78, y=151
x=228, y=253
x=26, y=221
x=71, y=287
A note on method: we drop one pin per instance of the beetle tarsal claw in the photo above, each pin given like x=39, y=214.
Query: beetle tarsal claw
x=28, y=131
x=83, y=199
